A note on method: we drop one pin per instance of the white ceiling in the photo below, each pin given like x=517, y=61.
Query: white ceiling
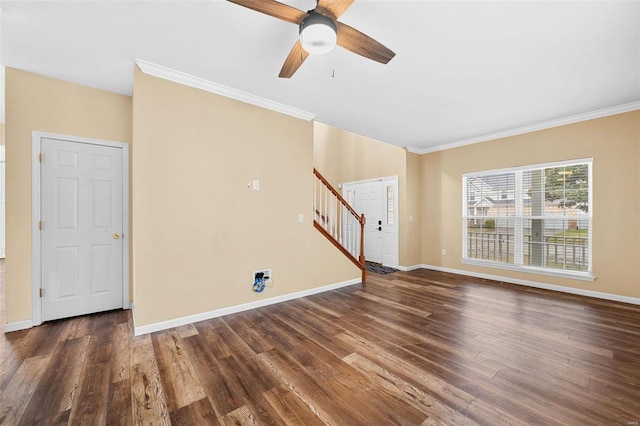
x=462, y=69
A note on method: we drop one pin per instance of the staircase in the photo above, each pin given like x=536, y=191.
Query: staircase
x=338, y=222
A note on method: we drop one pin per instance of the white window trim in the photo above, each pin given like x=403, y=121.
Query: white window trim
x=518, y=255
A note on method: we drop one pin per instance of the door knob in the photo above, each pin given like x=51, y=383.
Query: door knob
x=116, y=236
x=379, y=228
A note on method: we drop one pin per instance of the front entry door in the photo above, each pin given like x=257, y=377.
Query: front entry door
x=82, y=227
x=369, y=203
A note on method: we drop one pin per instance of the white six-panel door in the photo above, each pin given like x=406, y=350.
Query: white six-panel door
x=82, y=228
x=369, y=203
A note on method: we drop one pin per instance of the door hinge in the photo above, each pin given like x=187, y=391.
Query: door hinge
x=40, y=225
x=42, y=292
x=40, y=157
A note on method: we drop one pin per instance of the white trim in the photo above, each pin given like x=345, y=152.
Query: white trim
x=604, y=112
x=569, y=162
x=219, y=89
x=409, y=268
x=553, y=287
x=190, y=319
x=36, y=251
x=386, y=178
x=36, y=257
x=17, y=325
x=518, y=263
x=560, y=273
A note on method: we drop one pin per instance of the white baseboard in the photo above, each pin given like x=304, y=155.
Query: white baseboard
x=563, y=289
x=409, y=268
x=18, y=325
x=176, y=322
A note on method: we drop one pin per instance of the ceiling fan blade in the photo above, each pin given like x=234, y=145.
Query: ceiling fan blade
x=294, y=60
x=275, y=9
x=333, y=8
x=360, y=43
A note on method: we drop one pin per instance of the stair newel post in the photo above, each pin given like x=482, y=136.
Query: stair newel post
x=363, y=220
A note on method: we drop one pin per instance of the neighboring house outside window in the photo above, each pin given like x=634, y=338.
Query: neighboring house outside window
x=535, y=218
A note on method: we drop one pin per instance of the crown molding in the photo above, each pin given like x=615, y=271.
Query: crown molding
x=618, y=109
x=219, y=89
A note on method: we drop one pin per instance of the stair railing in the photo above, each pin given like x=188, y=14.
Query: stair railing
x=338, y=221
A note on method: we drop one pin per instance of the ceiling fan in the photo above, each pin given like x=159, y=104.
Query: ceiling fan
x=319, y=31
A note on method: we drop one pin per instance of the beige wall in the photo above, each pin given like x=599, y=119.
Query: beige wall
x=37, y=103
x=198, y=231
x=342, y=156
x=411, y=245
x=614, y=144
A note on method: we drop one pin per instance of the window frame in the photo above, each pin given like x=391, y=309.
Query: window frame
x=519, y=219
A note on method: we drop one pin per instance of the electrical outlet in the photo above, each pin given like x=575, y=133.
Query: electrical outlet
x=266, y=274
x=444, y=252
x=261, y=280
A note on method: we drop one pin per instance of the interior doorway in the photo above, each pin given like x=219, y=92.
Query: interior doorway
x=377, y=199
x=80, y=214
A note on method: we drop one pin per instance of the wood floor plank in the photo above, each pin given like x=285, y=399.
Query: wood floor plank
x=197, y=413
x=57, y=387
x=15, y=397
x=320, y=401
x=94, y=385
x=121, y=356
x=240, y=416
x=223, y=397
x=40, y=341
x=119, y=411
x=180, y=382
x=187, y=330
x=147, y=395
x=291, y=408
x=419, y=347
x=483, y=413
x=243, y=325
x=434, y=409
x=452, y=396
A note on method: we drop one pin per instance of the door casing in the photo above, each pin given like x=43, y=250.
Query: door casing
x=36, y=216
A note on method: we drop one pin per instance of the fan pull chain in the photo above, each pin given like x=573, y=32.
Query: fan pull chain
x=333, y=64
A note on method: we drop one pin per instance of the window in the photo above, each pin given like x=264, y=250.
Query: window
x=535, y=218
x=391, y=198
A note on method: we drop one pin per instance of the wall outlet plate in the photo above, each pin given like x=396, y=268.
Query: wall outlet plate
x=266, y=272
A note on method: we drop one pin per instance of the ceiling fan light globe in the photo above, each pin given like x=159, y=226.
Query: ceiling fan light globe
x=318, y=34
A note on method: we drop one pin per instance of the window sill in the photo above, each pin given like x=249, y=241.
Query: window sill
x=575, y=275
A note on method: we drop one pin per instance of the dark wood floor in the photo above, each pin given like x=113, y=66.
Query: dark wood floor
x=407, y=348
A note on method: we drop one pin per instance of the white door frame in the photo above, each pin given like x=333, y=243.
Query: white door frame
x=36, y=215
x=3, y=242
x=394, y=181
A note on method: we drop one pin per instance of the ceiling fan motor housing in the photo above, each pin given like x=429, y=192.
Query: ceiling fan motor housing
x=318, y=33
